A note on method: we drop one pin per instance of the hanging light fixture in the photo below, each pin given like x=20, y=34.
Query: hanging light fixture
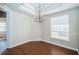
x=39, y=18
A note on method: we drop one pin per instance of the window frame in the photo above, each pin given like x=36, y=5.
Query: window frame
x=63, y=31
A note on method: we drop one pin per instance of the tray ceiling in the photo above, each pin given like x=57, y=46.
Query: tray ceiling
x=47, y=8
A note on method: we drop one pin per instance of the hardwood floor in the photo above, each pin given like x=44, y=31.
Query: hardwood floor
x=39, y=48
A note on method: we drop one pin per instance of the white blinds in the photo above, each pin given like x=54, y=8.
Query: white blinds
x=60, y=27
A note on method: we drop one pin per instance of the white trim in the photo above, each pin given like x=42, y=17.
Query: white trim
x=24, y=42
x=45, y=41
x=61, y=8
x=2, y=50
x=29, y=6
x=27, y=9
x=62, y=45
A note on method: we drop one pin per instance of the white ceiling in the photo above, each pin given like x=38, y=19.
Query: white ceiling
x=47, y=8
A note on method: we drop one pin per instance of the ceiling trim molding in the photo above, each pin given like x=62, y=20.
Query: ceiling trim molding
x=27, y=8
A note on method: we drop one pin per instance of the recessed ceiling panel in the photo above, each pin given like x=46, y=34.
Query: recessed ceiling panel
x=45, y=6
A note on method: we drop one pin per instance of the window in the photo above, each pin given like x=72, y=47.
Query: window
x=60, y=27
x=2, y=26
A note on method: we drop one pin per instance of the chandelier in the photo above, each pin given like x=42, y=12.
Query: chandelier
x=39, y=18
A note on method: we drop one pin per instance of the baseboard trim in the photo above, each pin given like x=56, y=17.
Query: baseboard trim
x=24, y=42
x=46, y=41
x=3, y=53
x=62, y=46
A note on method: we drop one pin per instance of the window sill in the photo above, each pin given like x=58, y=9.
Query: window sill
x=60, y=38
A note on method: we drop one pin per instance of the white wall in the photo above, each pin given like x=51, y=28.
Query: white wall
x=24, y=29
x=78, y=32
x=73, y=19
x=20, y=28
x=36, y=30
